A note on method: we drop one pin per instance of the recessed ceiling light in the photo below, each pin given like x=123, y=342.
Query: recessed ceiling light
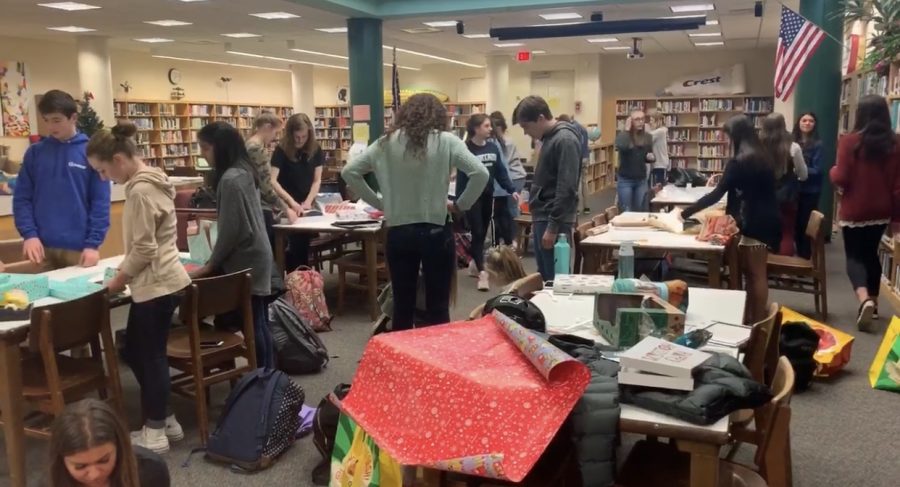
x=192, y=1
x=601, y=40
x=154, y=40
x=712, y=22
x=295, y=61
x=275, y=15
x=317, y=53
x=561, y=16
x=204, y=61
x=705, y=34
x=616, y=48
x=71, y=28
x=539, y=51
x=509, y=44
x=167, y=23
x=432, y=56
x=703, y=7
x=719, y=43
x=333, y=30
x=241, y=35
x=441, y=23
x=69, y=6
x=477, y=36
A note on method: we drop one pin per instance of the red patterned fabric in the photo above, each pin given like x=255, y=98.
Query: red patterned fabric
x=306, y=292
x=482, y=397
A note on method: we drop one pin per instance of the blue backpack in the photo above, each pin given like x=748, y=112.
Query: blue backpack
x=259, y=421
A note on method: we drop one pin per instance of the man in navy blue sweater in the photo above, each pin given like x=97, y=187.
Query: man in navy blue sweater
x=60, y=204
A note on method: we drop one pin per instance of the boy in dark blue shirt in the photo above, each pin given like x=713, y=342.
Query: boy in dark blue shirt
x=60, y=204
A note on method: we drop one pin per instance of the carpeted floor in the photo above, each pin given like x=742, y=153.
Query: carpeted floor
x=841, y=433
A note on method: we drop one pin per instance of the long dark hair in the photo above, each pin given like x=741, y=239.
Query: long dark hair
x=814, y=137
x=873, y=123
x=474, y=122
x=776, y=141
x=422, y=114
x=88, y=424
x=498, y=121
x=228, y=149
x=745, y=141
x=297, y=122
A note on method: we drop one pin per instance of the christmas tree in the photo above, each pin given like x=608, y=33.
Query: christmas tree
x=88, y=121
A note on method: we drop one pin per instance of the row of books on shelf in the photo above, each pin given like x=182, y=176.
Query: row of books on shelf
x=873, y=84
x=333, y=133
x=711, y=165
x=330, y=123
x=693, y=105
x=714, y=151
x=333, y=112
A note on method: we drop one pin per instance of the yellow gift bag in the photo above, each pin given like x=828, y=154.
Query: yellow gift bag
x=885, y=370
x=357, y=460
x=833, y=352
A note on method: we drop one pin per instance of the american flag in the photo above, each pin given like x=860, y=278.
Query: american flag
x=797, y=41
x=395, y=85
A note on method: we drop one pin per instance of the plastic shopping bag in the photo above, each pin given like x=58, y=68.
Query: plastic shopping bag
x=357, y=460
x=885, y=370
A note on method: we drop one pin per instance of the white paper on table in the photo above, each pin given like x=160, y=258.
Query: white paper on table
x=630, y=235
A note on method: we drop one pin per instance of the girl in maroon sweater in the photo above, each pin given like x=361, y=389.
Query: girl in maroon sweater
x=867, y=175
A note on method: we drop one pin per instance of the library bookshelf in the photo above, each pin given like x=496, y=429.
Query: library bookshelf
x=599, y=173
x=695, y=137
x=889, y=253
x=167, y=130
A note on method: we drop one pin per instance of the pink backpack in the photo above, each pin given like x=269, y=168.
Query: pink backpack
x=306, y=292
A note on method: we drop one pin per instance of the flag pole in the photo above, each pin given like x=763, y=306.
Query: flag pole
x=835, y=39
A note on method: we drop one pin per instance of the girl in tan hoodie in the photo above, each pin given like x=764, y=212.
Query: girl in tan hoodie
x=152, y=270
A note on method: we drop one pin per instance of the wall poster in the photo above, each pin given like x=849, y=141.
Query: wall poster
x=16, y=103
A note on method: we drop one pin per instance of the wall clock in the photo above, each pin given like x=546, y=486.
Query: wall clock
x=174, y=76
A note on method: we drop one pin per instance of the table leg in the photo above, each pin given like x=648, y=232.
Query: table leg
x=11, y=407
x=704, y=463
x=371, y=248
x=279, y=250
x=715, y=270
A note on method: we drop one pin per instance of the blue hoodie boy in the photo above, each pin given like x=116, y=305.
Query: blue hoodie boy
x=59, y=198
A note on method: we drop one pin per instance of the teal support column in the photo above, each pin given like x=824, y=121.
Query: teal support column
x=367, y=75
x=819, y=88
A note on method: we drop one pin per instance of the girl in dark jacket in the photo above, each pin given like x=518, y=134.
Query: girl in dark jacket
x=806, y=133
x=749, y=181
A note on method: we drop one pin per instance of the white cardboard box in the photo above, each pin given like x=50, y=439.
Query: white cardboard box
x=661, y=357
x=582, y=284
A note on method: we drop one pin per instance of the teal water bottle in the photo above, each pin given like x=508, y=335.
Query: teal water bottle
x=561, y=253
x=626, y=260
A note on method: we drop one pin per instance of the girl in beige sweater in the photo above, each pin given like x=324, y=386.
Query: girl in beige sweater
x=152, y=270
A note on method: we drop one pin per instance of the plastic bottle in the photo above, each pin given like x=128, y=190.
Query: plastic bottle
x=561, y=253
x=626, y=260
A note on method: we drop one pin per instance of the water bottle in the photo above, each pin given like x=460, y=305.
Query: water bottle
x=626, y=260
x=561, y=255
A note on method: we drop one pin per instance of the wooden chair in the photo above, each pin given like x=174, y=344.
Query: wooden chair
x=355, y=263
x=801, y=275
x=527, y=286
x=183, y=219
x=13, y=260
x=201, y=367
x=611, y=212
x=599, y=219
x=580, y=234
x=523, y=232
x=652, y=463
x=51, y=380
x=328, y=247
x=762, y=337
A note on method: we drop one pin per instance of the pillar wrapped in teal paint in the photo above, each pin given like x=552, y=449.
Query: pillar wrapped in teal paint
x=819, y=88
x=367, y=75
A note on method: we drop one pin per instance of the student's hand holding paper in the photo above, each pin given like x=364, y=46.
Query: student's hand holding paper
x=89, y=257
x=33, y=250
x=116, y=284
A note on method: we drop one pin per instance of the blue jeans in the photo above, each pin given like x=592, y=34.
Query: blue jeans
x=658, y=176
x=265, y=346
x=631, y=194
x=544, y=257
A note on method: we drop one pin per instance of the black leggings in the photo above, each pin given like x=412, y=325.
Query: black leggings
x=504, y=228
x=146, y=336
x=861, y=249
x=479, y=218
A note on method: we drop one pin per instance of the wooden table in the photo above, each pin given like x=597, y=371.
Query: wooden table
x=649, y=238
x=314, y=225
x=671, y=196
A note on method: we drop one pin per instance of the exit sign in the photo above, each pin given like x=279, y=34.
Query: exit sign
x=523, y=56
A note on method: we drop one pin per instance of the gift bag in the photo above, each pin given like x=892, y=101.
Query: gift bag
x=833, y=352
x=885, y=370
x=357, y=460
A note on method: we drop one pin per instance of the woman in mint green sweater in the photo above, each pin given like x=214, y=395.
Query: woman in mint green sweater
x=412, y=163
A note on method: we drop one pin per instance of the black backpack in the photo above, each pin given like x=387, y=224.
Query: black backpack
x=259, y=421
x=325, y=424
x=520, y=310
x=298, y=349
x=799, y=342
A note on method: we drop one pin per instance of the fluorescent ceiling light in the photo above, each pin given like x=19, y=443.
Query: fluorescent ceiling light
x=154, y=40
x=71, y=28
x=275, y=15
x=167, y=23
x=602, y=40
x=616, y=48
x=555, y=24
x=706, y=34
x=389, y=65
x=712, y=22
x=286, y=60
x=220, y=63
x=241, y=35
x=69, y=6
x=539, y=51
x=333, y=30
x=191, y=1
x=317, y=53
x=561, y=16
x=441, y=23
x=477, y=36
x=509, y=44
x=719, y=43
x=431, y=56
x=704, y=7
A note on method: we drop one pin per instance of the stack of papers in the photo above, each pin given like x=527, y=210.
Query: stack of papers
x=728, y=335
x=654, y=362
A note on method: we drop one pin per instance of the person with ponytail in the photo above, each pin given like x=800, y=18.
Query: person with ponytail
x=867, y=176
x=151, y=268
x=806, y=133
x=790, y=171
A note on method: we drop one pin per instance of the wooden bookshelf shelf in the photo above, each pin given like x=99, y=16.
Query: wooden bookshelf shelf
x=599, y=174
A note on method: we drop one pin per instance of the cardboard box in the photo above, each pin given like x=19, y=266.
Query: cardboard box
x=582, y=284
x=625, y=319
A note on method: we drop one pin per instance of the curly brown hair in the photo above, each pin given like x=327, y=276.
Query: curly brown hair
x=418, y=117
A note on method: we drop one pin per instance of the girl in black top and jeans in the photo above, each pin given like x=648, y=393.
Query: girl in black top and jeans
x=749, y=181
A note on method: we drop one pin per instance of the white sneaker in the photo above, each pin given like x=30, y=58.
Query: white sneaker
x=483, y=281
x=153, y=439
x=473, y=269
x=174, y=432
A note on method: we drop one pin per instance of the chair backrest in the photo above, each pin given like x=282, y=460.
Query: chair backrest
x=816, y=230
x=527, y=286
x=773, y=418
x=69, y=324
x=599, y=219
x=11, y=250
x=217, y=295
x=758, y=345
x=611, y=212
x=476, y=313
